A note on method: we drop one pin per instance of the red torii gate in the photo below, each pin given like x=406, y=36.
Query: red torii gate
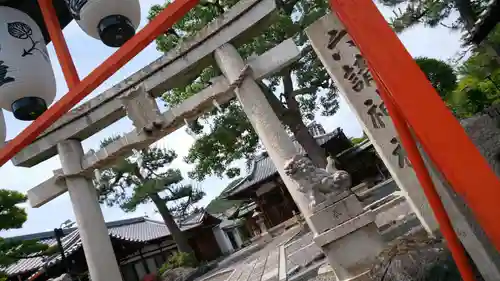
x=402, y=86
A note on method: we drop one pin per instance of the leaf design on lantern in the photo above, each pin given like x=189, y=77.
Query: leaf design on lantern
x=4, y=79
x=19, y=30
x=23, y=31
x=75, y=6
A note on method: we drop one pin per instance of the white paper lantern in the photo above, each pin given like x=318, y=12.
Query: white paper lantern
x=112, y=21
x=27, y=82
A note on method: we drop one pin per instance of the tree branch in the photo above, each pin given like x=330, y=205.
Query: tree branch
x=303, y=53
x=305, y=91
x=288, y=90
x=417, y=18
x=306, y=50
x=172, y=31
x=288, y=7
x=216, y=4
x=275, y=103
x=280, y=4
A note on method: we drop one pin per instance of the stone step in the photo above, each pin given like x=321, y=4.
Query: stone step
x=272, y=267
x=245, y=270
x=258, y=269
x=377, y=192
x=301, y=242
x=305, y=255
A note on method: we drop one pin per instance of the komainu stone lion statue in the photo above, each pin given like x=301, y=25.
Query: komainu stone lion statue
x=319, y=184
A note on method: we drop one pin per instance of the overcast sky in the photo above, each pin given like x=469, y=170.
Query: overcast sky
x=88, y=53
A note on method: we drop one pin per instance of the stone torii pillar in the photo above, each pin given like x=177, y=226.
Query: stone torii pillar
x=278, y=144
x=346, y=66
x=345, y=232
x=99, y=254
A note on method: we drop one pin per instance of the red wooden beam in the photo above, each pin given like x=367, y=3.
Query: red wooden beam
x=60, y=46
x=439, y=132
x=456, y=249
x=165, y=20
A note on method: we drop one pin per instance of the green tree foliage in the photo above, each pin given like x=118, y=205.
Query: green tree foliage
x=11, y=217
x=356, y=141
x=479, y=86
x=473, y=95
x=478, y=75
x=296, y=93
x=440, y=74
x=178, y=259
x=146, y=178
x=432, y=13
x=476, y=90
x=482, y=62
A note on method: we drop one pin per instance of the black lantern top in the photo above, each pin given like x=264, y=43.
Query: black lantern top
x=31, y=8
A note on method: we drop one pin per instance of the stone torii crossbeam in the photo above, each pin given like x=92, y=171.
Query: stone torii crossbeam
x=186, y=61
x=174, y=69
x=77, y=167
x=146, y=133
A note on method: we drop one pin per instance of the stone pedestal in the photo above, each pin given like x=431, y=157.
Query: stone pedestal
x=348, y=236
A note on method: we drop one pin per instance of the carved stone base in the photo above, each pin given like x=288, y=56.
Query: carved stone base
x=265, y=237
x=333, y=202
x=351, y=247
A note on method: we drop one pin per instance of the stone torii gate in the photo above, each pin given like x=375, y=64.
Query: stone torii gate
x=351, y=231
x=134, y=97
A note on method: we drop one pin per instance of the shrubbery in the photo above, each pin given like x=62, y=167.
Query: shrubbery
x=178, y=259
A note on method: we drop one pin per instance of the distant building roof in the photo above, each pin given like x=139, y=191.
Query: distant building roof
x=243, y=210
x=363, y=145
x=262, y=167
x=140, y=230
x=228, y=223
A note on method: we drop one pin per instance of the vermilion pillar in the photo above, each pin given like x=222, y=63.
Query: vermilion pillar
x=440, y=134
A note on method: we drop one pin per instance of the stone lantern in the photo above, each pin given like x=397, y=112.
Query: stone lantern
x=259, y=218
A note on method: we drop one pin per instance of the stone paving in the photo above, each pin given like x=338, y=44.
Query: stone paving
x=260, y=262
x=262, y=265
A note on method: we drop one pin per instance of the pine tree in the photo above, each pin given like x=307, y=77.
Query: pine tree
x=307, y=87
x=431, y=13
x=440, y=74
x=145, y=178
x=11, y=217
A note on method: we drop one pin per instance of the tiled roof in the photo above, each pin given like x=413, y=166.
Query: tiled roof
x=140, y=229
x=263, y=168
x=365, y=144
x=227, y=223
